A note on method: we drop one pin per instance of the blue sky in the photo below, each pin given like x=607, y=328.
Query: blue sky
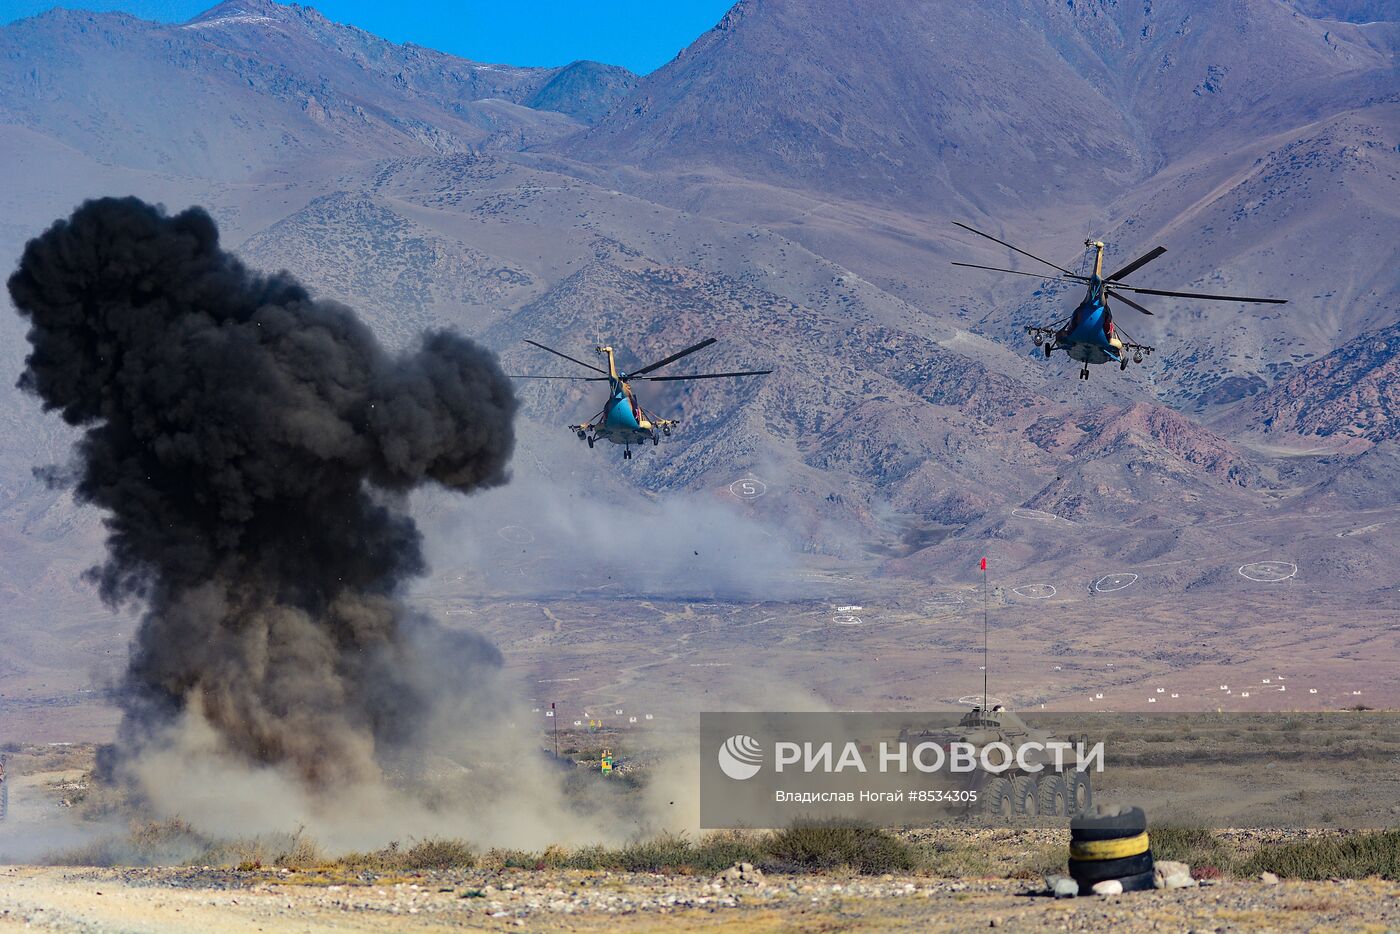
x=640, y=34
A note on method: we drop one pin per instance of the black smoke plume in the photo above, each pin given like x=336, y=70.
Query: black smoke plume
x=252, y=447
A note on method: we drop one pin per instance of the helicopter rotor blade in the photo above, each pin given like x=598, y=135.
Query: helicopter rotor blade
x=1128, y=301
x=1136, y=264
x=1010, y=247
x=708, y=375
x=673, y=358
x=1071, y=278
x=586, y=379
x=1217, y=298
x=566, y=357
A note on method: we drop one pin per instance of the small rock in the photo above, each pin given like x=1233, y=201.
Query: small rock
x=1169, y=874
x=1108, y=887
x=1065, y=887
x=1268, y=878
x=994, y=923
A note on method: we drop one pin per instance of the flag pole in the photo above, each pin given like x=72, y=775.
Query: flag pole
x=555, y=718
x=984, y=635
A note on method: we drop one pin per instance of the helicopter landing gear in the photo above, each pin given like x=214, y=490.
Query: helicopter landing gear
x=590, y=442
x=582, y=434
x=627, y=454
x=1084, y=373
x=655, y=440
x=1123, y=364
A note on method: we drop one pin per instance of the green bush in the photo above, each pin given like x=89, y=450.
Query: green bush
x=1354, y=856
x=818, y=845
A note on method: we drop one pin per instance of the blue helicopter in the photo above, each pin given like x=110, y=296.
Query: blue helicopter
x=1089, y=335
x=623, y=420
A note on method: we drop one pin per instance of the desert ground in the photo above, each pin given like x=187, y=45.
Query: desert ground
x=110, y=900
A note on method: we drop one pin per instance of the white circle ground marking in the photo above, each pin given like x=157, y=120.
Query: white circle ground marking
x=1035, y=591
x=516, y=534
x=847, y=620
x=1268, y=572
x=975, y=700
x=748, y=488
x=1111, y=582
x=1039, y=515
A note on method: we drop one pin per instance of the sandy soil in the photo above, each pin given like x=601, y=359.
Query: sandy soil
x=103, y=900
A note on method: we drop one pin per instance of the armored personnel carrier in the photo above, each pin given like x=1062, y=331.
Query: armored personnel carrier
x=1014, y=786
x=1018, y=792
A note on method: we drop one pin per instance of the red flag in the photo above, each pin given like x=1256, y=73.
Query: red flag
x=984, y=564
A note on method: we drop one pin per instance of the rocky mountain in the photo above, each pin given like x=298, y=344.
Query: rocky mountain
x=253, y=86
x=1256, y=176
x=890, y=100
x=1352, y=394
x=1350, y=11
x=786, y=185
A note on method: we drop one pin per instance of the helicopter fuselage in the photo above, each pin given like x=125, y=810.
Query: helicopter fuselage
x=1088, y=335
x=623, y=420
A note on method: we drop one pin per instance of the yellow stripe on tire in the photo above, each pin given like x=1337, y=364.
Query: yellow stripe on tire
x=1109, y=849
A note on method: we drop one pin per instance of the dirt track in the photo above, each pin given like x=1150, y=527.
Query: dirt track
x=111, y=900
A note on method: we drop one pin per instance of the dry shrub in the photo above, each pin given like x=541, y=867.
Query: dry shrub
x=821, y=845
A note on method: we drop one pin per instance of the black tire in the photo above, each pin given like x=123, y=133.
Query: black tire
x=997, y=800
x=1054, y=795
x=1089, y=827
x=1088, y=871
x=1081, y=791
x=1141, y=882
x=590, y=442
x=1047, y=350
x=1123, y=364
x=1025, y=795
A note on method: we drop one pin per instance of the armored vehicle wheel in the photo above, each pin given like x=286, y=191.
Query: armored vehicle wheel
x=998, y=801
x=1054, y=796
x=1081, y=791
x=1026, y=796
